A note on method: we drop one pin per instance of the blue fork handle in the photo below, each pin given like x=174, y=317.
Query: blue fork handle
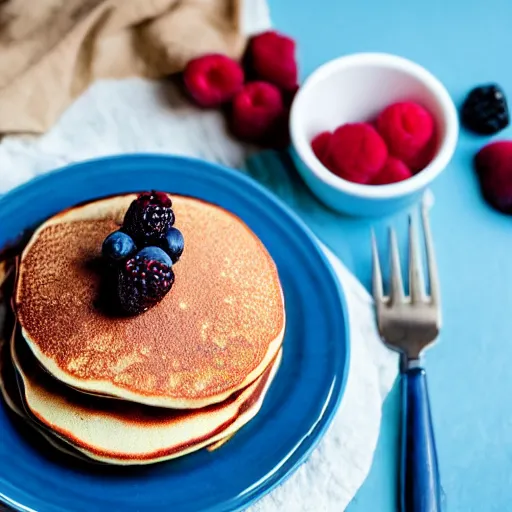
x=420, y=488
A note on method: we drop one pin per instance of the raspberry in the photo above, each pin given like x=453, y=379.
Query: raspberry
x=394, y=170
x=213, y=79
x=289, y=96
x=142, y=283
x=148, y=217
x=279, y=135
x=485, y=110
x=320, y=146
x=494, y=168
x=407, y=129
x=356, y=152
x=255, y=111
x=424, y=157
x=271, y=57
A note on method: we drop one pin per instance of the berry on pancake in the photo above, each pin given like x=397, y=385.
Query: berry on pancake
x=118, y=246
x=173, y=244
x=148, y=217
x=143, y=282
x=155, y=253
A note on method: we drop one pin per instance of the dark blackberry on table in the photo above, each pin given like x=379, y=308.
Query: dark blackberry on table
x=485, y=110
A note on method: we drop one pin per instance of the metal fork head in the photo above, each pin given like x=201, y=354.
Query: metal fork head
x=408, y=322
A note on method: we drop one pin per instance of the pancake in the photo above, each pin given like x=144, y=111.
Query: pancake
x=218, y=444
x=10, y=393
x=8, y=270
x=125, y=433
x=8, y=382
x=212, y=335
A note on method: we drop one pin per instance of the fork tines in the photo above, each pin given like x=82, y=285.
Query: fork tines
x=417, y=291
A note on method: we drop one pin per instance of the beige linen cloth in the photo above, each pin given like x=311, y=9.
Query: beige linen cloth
x=52, y=50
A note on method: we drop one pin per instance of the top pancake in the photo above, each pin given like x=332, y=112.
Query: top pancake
x=214, y=333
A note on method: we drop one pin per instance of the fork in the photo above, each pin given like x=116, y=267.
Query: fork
x=409, y=323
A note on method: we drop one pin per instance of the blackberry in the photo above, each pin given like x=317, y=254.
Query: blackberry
x=485, y=110
x=148, y=217
x=142, y=283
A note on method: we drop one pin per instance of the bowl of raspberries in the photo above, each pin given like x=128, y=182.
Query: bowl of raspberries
x=371, y=131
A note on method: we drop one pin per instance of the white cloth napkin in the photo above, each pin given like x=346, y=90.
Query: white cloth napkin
x=136, y=115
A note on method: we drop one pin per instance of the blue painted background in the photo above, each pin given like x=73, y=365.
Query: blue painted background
x=464, y=43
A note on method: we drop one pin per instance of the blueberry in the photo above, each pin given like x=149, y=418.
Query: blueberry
x=155, y=253
x=173, y=244
x=118, y=246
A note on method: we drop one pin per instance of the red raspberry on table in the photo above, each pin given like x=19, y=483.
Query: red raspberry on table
x=213, y=79
x=407, y=129
x=255, y=111
x=271, y=57
x=356, y=152
x=494, y=168
x=394, y=170
x=320, y=146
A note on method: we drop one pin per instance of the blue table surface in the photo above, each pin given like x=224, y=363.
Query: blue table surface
x=464, y=43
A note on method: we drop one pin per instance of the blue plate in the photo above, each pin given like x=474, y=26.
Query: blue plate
x=298, y=408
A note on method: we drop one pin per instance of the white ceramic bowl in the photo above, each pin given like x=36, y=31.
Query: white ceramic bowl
x=356, y=88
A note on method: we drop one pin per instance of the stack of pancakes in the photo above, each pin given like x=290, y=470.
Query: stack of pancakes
x=184, y=375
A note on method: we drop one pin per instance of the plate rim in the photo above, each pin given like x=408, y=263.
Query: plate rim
x=290, y=464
